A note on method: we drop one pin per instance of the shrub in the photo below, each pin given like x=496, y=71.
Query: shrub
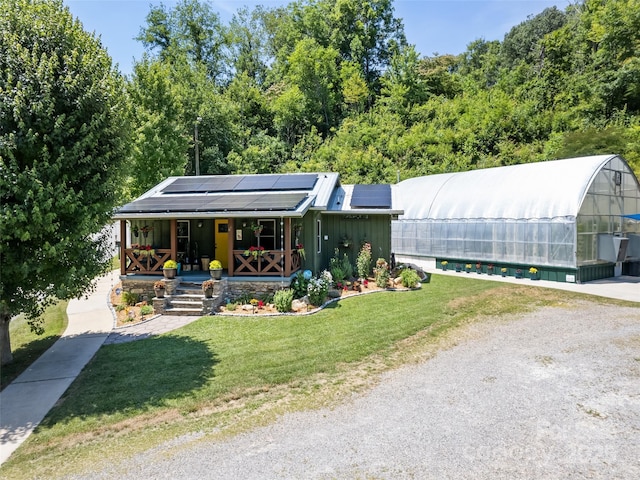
x=340, y=268
x=381, y=273
x=299, y=285
x=146, y=310
x=410, y=278
x=130, y=298
x=231, y=306
x=338, y=273
x=363, y=262
x=318, y=288
x=283, y=300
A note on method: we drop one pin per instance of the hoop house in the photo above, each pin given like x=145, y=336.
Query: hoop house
x=556, y=214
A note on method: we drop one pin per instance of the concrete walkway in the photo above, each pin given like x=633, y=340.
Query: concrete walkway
x=25, y=402
x=29, y=397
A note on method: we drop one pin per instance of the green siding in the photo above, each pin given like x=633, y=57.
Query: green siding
x=375, y=229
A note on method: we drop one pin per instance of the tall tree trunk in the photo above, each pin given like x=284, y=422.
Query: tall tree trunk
x=5, y=341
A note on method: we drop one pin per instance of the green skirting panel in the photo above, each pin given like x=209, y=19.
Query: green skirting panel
x=587, y=273
x=512, y=270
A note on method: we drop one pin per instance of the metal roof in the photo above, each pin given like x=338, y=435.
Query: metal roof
x=289, y=195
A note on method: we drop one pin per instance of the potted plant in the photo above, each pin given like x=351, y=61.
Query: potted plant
x=478, y=267
x=170, y=269
x=215, y=269
x=145, y=230
x=257, y=229
x=467, y=268
x=458, y=267
x=300, y=250
x=207, y=288
x=158, y=288
x=503, y=271
x=490, y=269
x=533, y=272
x=518, y=273
x=255, y=252
x=444, y=264
x=346, y=242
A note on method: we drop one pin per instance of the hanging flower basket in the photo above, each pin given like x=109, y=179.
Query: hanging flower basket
x=257, y=229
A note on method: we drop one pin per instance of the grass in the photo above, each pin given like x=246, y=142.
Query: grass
x=27, y=346
x=221, y=375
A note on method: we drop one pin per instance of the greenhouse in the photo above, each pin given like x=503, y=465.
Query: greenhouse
x=573, y=220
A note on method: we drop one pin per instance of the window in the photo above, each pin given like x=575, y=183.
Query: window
x=267, y=237
x=319, y=236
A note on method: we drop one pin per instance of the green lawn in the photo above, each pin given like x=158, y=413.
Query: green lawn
x=27, y=346
x=220, y=375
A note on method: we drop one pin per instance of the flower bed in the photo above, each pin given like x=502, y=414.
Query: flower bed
x=128, y=314
x=301, y=307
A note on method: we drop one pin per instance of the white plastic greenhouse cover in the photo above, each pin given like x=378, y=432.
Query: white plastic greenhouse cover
x=540, y=190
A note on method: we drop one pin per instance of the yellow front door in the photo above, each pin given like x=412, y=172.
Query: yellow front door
x=221, y=229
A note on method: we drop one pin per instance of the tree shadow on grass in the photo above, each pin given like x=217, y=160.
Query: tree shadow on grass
x=23, y=357
x=136, y=377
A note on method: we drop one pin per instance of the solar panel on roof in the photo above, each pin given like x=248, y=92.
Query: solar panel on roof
x=216, y=203
x=241, y=183
x=371, y=196
x=223, y=183
x=296, y=182
x=255, y=183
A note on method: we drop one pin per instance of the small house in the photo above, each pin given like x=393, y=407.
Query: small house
x=262, y=227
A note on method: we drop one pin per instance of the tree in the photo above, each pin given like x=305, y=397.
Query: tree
x=161, y=144
x=63, y=141
x=365, y=32
x=313, y=69
x=521, y=44
x=192, y=28
x=247, y=39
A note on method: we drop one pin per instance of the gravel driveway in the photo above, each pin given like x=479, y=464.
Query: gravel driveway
x=550, y=394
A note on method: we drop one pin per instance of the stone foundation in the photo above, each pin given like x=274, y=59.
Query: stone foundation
x=237, y=288
x=224, y=290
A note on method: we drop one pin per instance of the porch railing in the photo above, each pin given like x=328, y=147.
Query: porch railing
x=269, y=263
x=272, y=263
x=149, y=262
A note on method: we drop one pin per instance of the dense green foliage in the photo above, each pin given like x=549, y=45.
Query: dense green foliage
x=63, y=141
x=334, y=85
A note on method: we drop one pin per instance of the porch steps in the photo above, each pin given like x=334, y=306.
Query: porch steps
x=187, y=300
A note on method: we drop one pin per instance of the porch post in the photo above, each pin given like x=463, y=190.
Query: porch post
x=174, y=239
x=231, y=239
x=123, y=247
x=287, y=246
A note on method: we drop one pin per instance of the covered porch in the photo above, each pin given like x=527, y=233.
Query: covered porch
x=259, y=247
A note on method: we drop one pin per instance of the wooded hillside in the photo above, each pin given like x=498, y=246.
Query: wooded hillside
x=334, y=85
